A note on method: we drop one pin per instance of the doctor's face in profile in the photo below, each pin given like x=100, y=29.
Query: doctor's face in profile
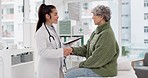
x=54, y=16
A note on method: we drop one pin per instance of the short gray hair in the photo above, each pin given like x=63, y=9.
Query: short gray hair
x=103, y=11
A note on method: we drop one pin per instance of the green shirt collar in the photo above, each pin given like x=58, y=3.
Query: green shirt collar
x=102, y=27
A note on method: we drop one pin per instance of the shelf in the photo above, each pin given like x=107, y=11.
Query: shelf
x=8, y=38
x=16, y=51
x=20, y=64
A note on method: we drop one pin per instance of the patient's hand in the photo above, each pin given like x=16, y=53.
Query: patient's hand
x=68, y=51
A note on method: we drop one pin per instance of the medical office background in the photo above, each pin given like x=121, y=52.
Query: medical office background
x=129, y=21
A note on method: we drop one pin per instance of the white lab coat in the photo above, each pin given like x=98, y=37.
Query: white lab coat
x=50, y=58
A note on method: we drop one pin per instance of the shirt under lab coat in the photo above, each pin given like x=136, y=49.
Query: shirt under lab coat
x=50, y=58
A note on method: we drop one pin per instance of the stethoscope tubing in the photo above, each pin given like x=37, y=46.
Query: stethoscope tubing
x=49, y=33
x=50, y=36
x=56, y=46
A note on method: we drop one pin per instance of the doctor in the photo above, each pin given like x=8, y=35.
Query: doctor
x=48, y=44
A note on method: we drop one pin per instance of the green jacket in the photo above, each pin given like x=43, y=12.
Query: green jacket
x=101, y=52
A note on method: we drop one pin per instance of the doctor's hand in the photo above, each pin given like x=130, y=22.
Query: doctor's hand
x=67, y=51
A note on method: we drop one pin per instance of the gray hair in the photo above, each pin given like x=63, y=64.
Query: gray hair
x=102, y=10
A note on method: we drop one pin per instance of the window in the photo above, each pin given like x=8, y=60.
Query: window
x=2, y=11
x=125, y=40
x=125, y=15
x=145, y=41
x=145, y=29
x=10, y=11
x=145, y=16
x=145, y=3
x=125, y=27
x=20, y=9
x=85, y=6
x=85, y=23
x=8, y=31
x=125, y=3
x=12, y=19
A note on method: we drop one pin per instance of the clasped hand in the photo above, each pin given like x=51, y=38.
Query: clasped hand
x=67, y=51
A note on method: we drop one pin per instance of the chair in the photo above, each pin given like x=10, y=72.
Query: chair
x=141, y=70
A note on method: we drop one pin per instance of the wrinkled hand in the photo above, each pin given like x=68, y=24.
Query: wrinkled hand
x=67, y=51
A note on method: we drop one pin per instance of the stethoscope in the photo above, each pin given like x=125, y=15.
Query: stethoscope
x=50, y=36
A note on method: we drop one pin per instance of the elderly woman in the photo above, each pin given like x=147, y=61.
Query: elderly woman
x=101, y=50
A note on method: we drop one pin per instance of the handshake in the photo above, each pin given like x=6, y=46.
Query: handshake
x=68, y=51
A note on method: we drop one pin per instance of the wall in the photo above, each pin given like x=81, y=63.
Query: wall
x=137, y=21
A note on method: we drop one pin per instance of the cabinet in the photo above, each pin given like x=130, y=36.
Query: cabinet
x=22, y=69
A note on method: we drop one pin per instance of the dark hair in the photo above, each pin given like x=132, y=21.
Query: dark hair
x=43, y=10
